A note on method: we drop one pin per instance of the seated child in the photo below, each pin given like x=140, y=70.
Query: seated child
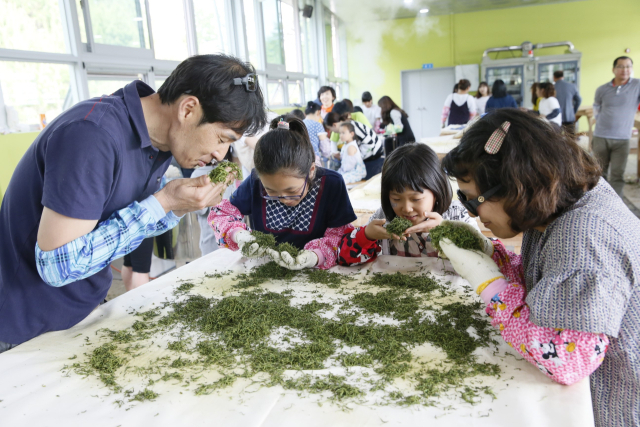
x=414, y=187
x=288, y=196
x=352, y=166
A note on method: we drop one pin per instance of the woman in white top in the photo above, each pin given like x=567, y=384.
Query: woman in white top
x=482, y=96
x=459, y=107
x=549, y=107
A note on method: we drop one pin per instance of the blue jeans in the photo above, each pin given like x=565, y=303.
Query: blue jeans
x=4, y=346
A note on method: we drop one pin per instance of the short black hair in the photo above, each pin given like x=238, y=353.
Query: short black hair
x=464, y=84
x=414, y=166
x=620, y=58
x=210, y=79
x=349, y=126
x=558, y=74
x=542, y=172
x=324, y=89
x=366, y=97
x=331, y=118
x=499, y=89
x=296, y=112
x=312, y=108
x=285, y=149
x=341, y=109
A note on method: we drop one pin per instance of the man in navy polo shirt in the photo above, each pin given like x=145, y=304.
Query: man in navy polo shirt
x=85, y=192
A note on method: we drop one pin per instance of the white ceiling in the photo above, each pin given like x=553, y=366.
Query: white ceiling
x=354, y=10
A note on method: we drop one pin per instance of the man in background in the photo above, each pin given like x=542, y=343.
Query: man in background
x=569, y=99
x=371, y=111
x=615, y=106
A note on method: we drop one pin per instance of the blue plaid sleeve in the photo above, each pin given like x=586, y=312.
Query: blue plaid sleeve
x=120, y=234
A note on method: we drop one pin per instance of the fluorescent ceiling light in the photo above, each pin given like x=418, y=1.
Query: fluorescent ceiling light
x=424, y=10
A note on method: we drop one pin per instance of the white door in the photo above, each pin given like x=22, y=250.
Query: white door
x=423, y=96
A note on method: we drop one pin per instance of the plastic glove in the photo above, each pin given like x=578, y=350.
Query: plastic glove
x=306, y=259
x=487, y=246
x=242, y=238
x=474, y=266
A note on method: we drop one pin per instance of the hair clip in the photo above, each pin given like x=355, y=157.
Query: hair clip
x=283, y=125
x=497, y=138
x=250, y=82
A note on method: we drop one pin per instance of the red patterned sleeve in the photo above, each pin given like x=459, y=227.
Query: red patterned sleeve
x=327, y=247
x=225, y=218
x=566, y=356
x=356, y=249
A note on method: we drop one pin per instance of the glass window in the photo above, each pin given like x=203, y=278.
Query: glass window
x=119, y=23
x=307, y=44
x=160, y=81
x=32, y=25
x=106, y=85
x=212, y=26
x=310, y=89
x=81, y=23
x=290, y=40
x=272, y=32
x=168, y=29
x=294, y=92
x=275, y=89
x=335, y=47
x=30, y=89
x=328, y=41
x=251, y=33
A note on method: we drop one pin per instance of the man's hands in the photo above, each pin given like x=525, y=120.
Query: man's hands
x=187, y=195
x=306, y=259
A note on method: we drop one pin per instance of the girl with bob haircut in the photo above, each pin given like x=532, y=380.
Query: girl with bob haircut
x=288, y=196
x=414, y=187
x=574, y=293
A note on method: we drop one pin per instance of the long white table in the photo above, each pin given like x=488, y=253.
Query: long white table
x=34, y=391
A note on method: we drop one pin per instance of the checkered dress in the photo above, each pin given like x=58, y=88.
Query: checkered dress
x=583, y=273
x=296, y=218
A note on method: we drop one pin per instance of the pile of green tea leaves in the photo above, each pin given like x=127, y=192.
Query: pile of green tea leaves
x=459, y=236
x=253, y=334
x=268, y=241
x=398, y=226
x=222, y=170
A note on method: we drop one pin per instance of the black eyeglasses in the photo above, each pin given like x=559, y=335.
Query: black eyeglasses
x=472, y=205
x=268, y=197
x=250, y=82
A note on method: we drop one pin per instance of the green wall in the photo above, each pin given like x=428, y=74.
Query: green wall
x=12, y=148
x=600, y=29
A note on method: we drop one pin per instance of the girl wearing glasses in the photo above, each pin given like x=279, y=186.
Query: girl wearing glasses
x=288, y=196
x=574, y=293
x=414, y=187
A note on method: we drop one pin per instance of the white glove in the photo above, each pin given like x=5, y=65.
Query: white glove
x=474, y=266
x=306, y=259
x=244, y=237
x=485, y=243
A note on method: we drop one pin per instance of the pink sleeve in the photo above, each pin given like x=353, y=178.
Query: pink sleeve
x=445, y=113
x=225, y=219
x=327, y=247
x=564, y=355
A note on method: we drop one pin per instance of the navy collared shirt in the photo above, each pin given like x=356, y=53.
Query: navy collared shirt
x=92, y=160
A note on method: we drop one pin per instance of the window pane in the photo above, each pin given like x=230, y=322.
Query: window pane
x=83, y=28
x=295, y=94
x=335, y=47
x=160, y=81
x=276, y=93
x=272, y=31
x=119, y=23
x=30, y=89
x=212, y=26
x=289, y=36
x=310, y=89
x=100, y=86
x=307, y=44
x=251, y=33
x=32, y=25
x=328, y=41
x=168, y=28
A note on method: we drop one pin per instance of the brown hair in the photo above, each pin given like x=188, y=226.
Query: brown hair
x=349, y=126
x=387, y=105
x=542, y=172
x=534, y=93
x=464, y=84
x=548, y=89
x=478, y=94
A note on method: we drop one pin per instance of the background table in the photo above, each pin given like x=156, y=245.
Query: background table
x=34, y=392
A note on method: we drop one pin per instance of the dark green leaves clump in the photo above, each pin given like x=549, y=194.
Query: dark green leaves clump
x=264, y=240
x=288, y=248
x=423, y=283
x=264, y=273
x=146, y=394
x=398, y=226
x=324, y=277
x=104, y=359
x=459, y=236
x=219, y=173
